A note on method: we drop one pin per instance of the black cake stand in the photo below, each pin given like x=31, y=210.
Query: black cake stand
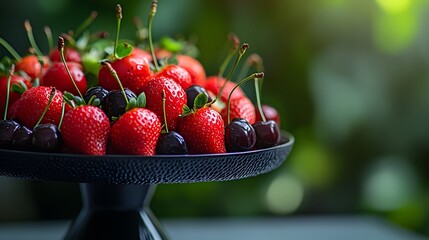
x=117, y=189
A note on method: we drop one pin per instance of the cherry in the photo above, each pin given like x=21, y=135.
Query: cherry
x=8, y=129
x=97, y=91
x=170, y=142
x=267, y=134
x=192, y=92
x=114, y=104
x=239, y=136
x=57, y=76
x=22, y=138
x=46, y=138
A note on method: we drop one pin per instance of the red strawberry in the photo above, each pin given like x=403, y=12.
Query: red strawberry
x=240, y=108
x=136, y=132
x=85, y=130
x=203, y=131
x=57, y=76
x=194, y=67
x=175, y=99
x=33, y=102
x=31, y=66
x=70, y=54
x=178, y=74
x=133, y=71
x=139, y=53
x=13, y=96
x=214, y=85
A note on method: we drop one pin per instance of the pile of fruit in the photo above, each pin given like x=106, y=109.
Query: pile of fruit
x=91, y=95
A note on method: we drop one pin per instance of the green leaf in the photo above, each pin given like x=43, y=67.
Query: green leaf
x=96, y=102
x=141, y=100
x=200, y=100
x=17, y=88
x=78, y=101
x=132, y=103
x=185, y=111
x=171, y=44
x=68, y=95
x=123, y=50
x=173, y=60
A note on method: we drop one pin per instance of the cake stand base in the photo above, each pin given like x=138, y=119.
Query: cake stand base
x=116, y=212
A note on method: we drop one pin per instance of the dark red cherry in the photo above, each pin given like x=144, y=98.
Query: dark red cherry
x=192, y=92
x=8, y=128
x=97, y=91
x=171, y=143
x=46, y=138
x=239, y=136
x=22, y=138
x=267, y=134
x=114, y=103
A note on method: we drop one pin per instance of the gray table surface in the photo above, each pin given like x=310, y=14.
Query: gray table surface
x=295, y=228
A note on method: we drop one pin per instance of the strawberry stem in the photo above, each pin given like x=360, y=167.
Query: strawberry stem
x=30, y=36
x=9, y=79
x=90, y=19
x=163, y=111
x=49, y=37
x=254, y=75
x=115, y=75
x=10, y=49
x=51, y=97
x=241, y=52
x=152, y=13
x=61, y=49
x=118, y=27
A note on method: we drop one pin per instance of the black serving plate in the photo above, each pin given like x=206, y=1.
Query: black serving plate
x=116, y=189
x=130, y=169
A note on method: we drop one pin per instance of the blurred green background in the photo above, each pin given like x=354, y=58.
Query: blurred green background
x=349, y=78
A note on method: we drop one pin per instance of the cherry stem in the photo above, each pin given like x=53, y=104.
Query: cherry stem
x=258, y=100
x=152, y=13
x=241, y=52
x=30, y=36
x=90, y=19
x=51, y=97
x=41, y=62
x=115, y=75
x=49, y=37
x=61, y=49
x=63, y=109
x=236, y=41
x=10, y=49
x=118, y=27
x=163, y=110
x=253, y=60
x=254, y=75
x=9, y=79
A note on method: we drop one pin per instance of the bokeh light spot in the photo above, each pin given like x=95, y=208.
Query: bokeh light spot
x=394, y=6
x=284, y=195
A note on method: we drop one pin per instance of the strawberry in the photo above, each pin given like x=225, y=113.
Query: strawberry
x=136, y=132
x=31, y=66
x=214, y=84
x=33, y=102
x=139, y=53
x=13, y=95
x=240, y=108
x=133, y=70
x=178, y=74
x=70, y=54
x=175, y=99
x=85, y=130
x=194, y=67
x=202, y=128
x=57, y=76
